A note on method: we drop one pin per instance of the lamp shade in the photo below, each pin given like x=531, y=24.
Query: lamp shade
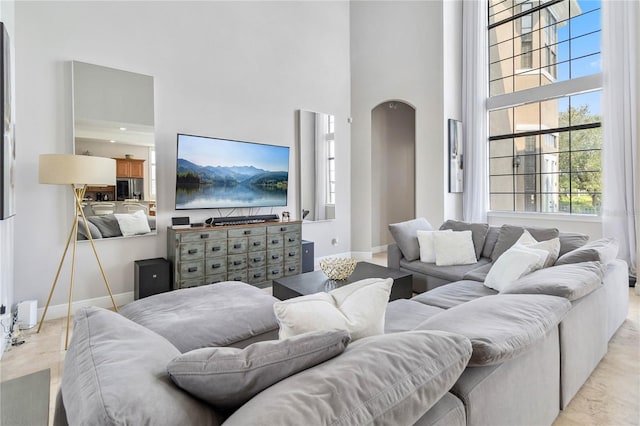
x=62, y=169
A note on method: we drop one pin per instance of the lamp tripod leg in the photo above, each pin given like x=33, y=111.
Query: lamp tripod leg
x=55, y=280
x=73, y=270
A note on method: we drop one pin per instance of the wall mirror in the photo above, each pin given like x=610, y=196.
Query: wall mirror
x=317, y=165
x=113, y=117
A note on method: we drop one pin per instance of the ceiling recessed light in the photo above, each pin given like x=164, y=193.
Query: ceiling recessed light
x=112, y=141
x=123, y=128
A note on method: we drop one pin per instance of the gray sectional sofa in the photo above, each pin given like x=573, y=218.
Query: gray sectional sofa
x=458, y=354
x=518, y=390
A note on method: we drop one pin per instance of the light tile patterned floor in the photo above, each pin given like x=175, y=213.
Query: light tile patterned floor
x=611, y=396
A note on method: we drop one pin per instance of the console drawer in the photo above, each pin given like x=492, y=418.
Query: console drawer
x=237, y=245
x=292, y=239
x=216, y=248
x=189, y=270
x=187, y=237
x=216, y=265
x=236, y=262
x=246, y=232
x=291, y=269
x=257, y=243
x=275, y=271
x=191, y=251
x=278, y=229
x=256, y=259
x=292, y=253
x=256, y=275
x=275, y=241
x=237, y=276
x=214, y=279
x=191, y=283
x=275, y=257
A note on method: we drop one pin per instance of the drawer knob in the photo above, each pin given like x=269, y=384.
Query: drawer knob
x=275, y=241
x=275, y=256
x=292, y=268
x=215, y=266
x=257, y=275
x=193, y=269
x=291, y=254
x=217, y=248
x=192, y=251
x=237, y=262
x=237, y=246
x=203, y=236
x=256, y=243
x=257, y=259
x=274, y=272
x=283, y=229
x=291, y=240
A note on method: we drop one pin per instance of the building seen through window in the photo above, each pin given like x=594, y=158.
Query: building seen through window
x=545, y=135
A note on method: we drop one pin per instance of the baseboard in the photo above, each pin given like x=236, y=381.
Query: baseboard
x=60, y=311
x=379, y=249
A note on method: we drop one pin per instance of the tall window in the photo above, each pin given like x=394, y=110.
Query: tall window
x=544, y=106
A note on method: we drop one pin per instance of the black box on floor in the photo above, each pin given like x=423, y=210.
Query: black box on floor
x=307, y=256
x=151, y=276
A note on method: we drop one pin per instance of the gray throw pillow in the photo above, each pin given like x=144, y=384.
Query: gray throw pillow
x=571, y=240
x=571, y=281
x=389, y=379
x=405, y=235
x=509, y=234
x=82, y=230
x=478, y=232
x=603, y=250
x=107, y=224
x=229, y=377
x=115, y=373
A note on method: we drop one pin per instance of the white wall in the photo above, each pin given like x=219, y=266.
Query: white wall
x=234, y=70
x=397, y=53
x=7, y=227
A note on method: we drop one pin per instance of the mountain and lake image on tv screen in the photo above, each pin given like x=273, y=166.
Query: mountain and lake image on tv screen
x=221, y=173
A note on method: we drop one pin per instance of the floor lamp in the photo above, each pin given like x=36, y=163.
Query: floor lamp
x=77, y=171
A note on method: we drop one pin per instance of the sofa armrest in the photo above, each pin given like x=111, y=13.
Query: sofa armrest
x=393, y=256
x=385, y=379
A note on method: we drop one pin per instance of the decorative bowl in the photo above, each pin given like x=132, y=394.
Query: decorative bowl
x=338, y=268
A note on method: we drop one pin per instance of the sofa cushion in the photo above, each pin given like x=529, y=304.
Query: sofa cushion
x=516, y=262
x=454, y=248
x=389, y=379
x=133, y=223
x=571, y=241
x=603, y=250
x=571, y=281
x=509, y=234
x=405, y=235
x=357, y=307
x=478, y=230
x=454, y=294
x=239, y=312
x=107, y=225
x=427, y=245
x=450, y=273
x=229, y=377
x=406, y=314
x=501, y=327
x=478, y=274
x=115, y=373
x=490, y=241
x=82, y=230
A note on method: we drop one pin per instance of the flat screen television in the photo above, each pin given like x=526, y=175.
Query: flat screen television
x=214, y=173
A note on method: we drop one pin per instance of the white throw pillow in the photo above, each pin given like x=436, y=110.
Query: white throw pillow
x=358, y=308
x=133, y=224
x=454, y=248
x=427, y=246
x=514, y=263
x=552, y=246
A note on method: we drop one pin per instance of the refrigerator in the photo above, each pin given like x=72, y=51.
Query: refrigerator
x=129, y=188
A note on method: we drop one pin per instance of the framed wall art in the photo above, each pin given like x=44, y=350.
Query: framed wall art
x=456, y=156
x=8, y=152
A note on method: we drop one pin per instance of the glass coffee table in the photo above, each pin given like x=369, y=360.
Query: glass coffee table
x=316, y=282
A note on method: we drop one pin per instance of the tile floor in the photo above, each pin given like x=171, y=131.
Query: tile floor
x=611, y=396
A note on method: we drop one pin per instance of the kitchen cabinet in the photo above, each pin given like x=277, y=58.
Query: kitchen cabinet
x=126, y=168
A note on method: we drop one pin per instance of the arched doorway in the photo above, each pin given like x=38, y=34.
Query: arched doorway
x=393, y=176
